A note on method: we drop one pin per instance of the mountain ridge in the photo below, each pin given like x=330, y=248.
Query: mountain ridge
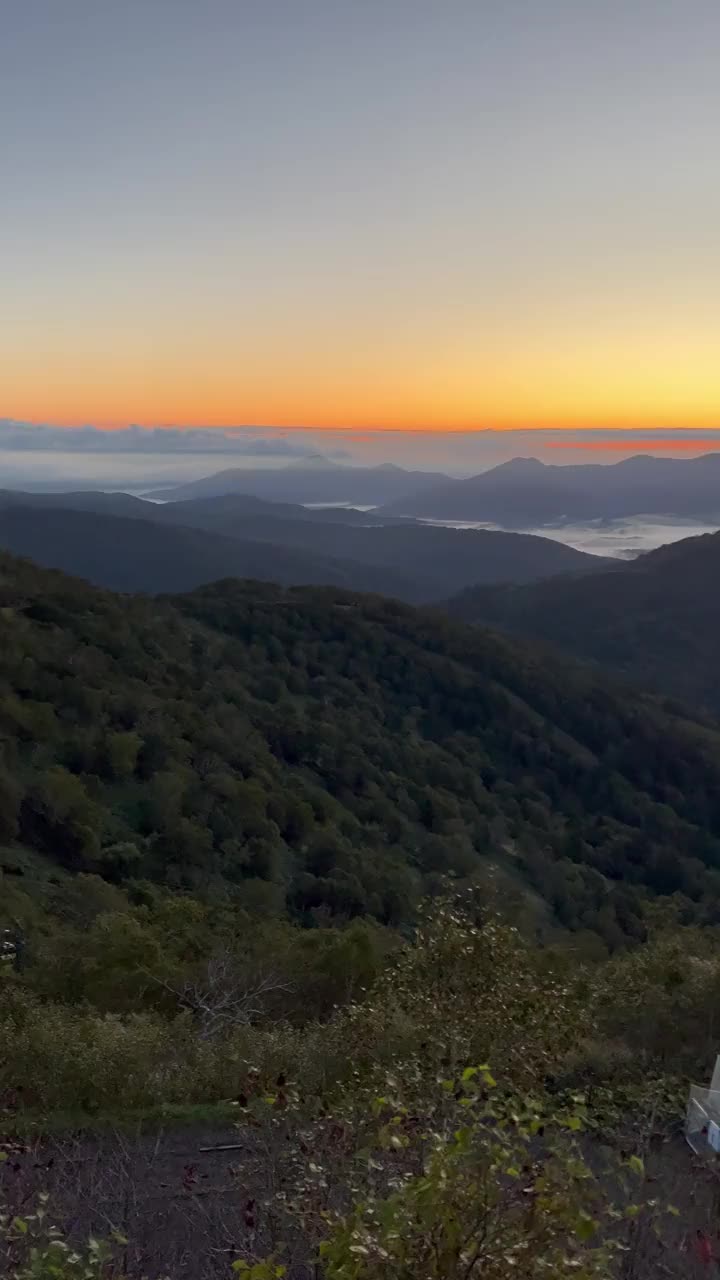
x=185, y=544
x=366, y=485
x=134, y=555
x=525, y=493
x=655, y=620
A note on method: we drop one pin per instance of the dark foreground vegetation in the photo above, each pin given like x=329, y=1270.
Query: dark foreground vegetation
x=484, y=1107
x=424, y=929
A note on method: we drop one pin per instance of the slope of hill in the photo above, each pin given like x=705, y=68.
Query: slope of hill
x=206, y=513
x=363, y=485
x=440, y=559
x=397, y=557
x=214, y=511
x=319, y=751
x=525, y=492
x=143, y=555
x=655, y=619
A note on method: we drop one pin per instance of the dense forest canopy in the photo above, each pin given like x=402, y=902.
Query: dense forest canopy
x=331, y=756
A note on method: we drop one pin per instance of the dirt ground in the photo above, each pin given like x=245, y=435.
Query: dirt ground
x=191, y=1201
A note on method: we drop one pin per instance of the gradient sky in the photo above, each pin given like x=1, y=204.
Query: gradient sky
x=386, y=213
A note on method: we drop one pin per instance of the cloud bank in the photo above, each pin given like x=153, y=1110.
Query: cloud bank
x=138, y=458
x=21, y=437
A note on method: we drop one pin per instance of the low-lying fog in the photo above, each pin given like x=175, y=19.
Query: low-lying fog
x=624, y=538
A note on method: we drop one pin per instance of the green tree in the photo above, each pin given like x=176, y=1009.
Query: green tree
x=122, y=753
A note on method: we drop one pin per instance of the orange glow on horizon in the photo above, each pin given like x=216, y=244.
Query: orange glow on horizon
x=408, y=218
x=454, y=393
x=364, y=430
x=432, y=382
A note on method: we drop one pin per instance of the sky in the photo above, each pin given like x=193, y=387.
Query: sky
x=402, y=215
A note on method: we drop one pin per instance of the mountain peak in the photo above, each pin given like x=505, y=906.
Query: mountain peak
x=519, y=467
x=316, y=462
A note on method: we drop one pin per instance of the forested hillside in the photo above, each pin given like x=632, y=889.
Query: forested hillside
x=220, y=813
x=656, y=620
x=334, y=756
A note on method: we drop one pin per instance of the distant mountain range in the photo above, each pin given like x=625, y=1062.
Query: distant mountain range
x=524, y=493
x=656, y=619
x=308, y=483
x=119, y=541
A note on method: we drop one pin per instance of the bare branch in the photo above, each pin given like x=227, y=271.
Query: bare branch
x=225, y=994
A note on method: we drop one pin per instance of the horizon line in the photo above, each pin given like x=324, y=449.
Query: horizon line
x=683, y=435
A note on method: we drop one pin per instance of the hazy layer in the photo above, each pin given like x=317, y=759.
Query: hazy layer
x=623, y=539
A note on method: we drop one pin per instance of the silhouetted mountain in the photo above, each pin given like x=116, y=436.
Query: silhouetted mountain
x=525, y=492
x=140, y=555
x=223, y=509
x=200, y=513
x=363, y=485
x=655, y=619
x=436, y=557
x=97, y=500
x=410, y=560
